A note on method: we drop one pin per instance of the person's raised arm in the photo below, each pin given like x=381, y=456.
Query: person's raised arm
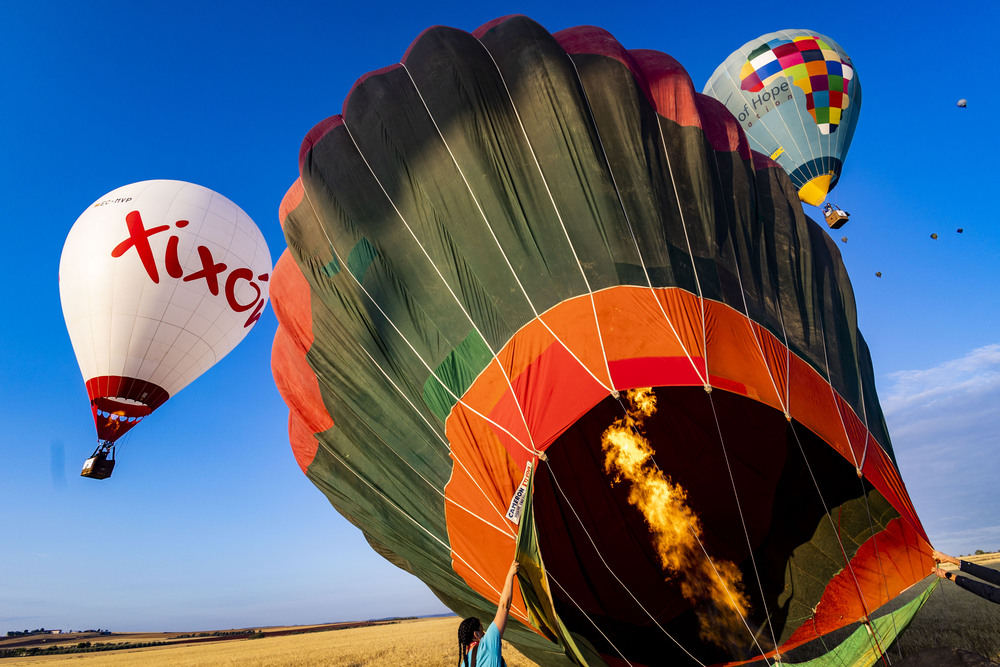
x=945, y=558
x=506, y=597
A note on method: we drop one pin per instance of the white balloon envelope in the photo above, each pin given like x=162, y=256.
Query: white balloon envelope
x=158, y=280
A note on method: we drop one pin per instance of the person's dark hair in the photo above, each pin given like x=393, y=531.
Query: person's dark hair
x=467, y=635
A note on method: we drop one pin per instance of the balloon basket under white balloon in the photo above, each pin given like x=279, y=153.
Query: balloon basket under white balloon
x=101, y=463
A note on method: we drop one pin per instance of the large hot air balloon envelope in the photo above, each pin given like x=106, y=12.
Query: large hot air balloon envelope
x=796, y=95
x=159, y=280
x=494, y=243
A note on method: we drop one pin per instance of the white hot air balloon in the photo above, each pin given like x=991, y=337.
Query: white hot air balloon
x=159, y=280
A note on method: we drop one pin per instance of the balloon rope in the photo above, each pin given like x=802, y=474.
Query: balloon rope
x=833, y=393
x=628, y=222
x=513, y=273
x=500, y=513
x=859, y=466
x=562, y=223
x=878, y=559
x=390, y=502
x=746, y=533
x=707, y=376
x=722, y=582
x=586, y=532
x=555, y=210
x=431, y=429
x=587, y=616
x=836, y=531
x=458, y=399
x=781, y=399
x=694, y=266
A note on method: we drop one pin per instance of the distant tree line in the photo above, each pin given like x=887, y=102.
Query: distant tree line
x=82, y=647
x=979, y=552
x=43, y=631
x=221, y=633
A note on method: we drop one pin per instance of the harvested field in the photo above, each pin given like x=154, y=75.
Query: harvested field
x=951, y=619
x=418, y=642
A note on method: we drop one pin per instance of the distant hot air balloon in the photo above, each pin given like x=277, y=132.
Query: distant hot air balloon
x=960, y=230
x=878, y=274
x=934, y=236
x=159, y=280
x=962, y=103
x=844, y=239
x=499, y=240
x=797, y=96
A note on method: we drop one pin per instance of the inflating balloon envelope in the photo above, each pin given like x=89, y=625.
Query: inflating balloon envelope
x=495, y=245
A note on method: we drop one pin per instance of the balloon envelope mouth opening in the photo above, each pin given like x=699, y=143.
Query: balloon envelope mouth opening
x=748, y=475
x=123, y=408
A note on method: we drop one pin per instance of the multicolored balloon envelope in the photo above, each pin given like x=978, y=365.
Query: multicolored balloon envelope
x=797, y=97
x=159, y=280
x=498, y=242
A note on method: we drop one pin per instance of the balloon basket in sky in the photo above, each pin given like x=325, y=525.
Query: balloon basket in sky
x=158, y=280
x=510, y=236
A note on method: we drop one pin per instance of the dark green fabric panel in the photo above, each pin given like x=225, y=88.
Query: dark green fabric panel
x=401, y=146
x=874, y=417
x=490, y=157
x=458, y=371
x=866, y=645
x=350, y=207
x=554, y=114
x=361, y=257
x=835, y=541
x=650, y=233
x=789, y=254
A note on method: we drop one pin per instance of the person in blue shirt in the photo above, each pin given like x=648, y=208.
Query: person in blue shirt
x=482, y=649
x=991, y=593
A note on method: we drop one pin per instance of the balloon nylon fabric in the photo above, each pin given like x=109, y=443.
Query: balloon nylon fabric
x=158, y=281
x=797, y=96
x=496, y=235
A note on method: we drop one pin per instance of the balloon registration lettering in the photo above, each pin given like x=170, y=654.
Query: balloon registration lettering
x=138, y=238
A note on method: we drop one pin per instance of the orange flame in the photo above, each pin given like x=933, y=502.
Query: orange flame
x=713, y=587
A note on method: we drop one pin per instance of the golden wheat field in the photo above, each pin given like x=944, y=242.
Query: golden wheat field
x=422, y=642
x=951, y=618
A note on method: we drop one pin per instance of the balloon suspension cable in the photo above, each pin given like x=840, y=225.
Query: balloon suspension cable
x=105, y=447
x=867, y=621
x=878, y=559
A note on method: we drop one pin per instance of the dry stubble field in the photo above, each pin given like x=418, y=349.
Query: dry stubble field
x=422, y=642
x=951, y=618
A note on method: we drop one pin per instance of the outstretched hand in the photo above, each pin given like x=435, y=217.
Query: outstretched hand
x=939, y=572
x=944, y=558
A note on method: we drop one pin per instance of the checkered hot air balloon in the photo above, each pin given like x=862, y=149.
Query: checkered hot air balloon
x=797, y=96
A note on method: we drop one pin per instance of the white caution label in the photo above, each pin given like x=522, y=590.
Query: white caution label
x=517, y=502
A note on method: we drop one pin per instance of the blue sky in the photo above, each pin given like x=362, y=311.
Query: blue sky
x=208, y=522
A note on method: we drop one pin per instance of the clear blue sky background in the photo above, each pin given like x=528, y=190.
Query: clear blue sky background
x=208, y=523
